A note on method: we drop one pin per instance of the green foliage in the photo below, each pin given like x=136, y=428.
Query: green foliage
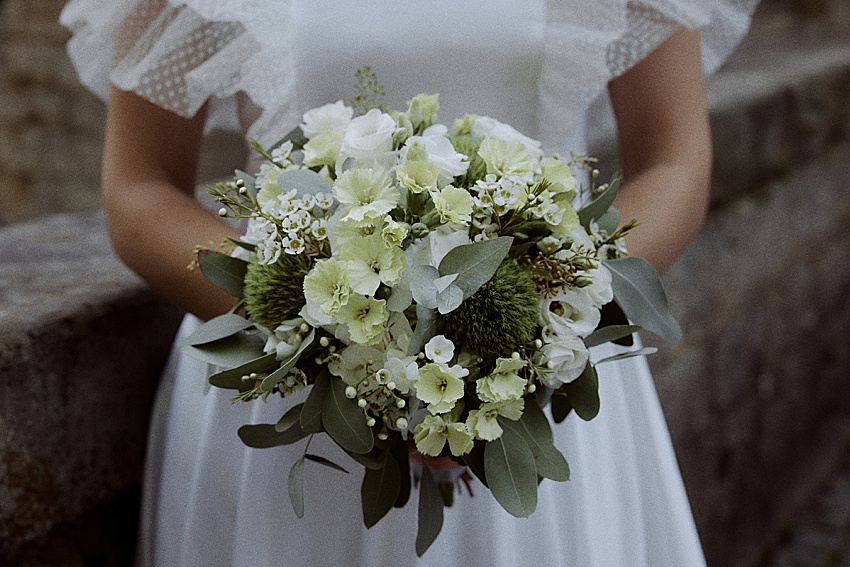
x=638, y=290
x=430, y=512
x=223, y=271
x=274, y=292
x=511, y=473
x=369, y=91
x=264, y=436
x=467, y=145
x=500, y=317
x=379, y=490
x=344, y=420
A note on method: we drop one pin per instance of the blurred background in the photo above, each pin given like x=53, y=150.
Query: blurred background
x=757, y=394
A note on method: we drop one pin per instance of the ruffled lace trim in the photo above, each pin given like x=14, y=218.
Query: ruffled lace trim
x=179, y=55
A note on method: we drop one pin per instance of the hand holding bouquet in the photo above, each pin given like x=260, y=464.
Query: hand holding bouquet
x=406, y=280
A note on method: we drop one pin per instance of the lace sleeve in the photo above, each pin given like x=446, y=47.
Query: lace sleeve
x=590, y=43
x=180, y=55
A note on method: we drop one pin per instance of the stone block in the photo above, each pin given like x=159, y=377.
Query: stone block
x=82, y=344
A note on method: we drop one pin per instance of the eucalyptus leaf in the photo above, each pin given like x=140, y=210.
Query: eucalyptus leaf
x=599, y=206
x=344, y=420
x=449, y=299
x=609, y=221
x=326, y=462
x=638, y=290
x=272, y=379
x=311, y=413
x=423, y=286
x=379, y=490
x=229, y=352
x=296, y=136
x=288, y=419
x=216, y=328
x=296, y=487
x=426, y=328
x=224, y=271
x=264, y=436
x=609, y=334
x=304, y=180
x=430, y=512
x=249, y=181
x=371, y=460
x=534, y=428
x=475, y=263
x=511, y=473
x=583, y=393
x=645, y=351
x=612, y=315
x=474, y=461
x=561, y=407
x=241, y=244
x=399, y=451
x=232, y=379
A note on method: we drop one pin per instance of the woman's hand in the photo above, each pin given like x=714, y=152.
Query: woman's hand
x=665, y=148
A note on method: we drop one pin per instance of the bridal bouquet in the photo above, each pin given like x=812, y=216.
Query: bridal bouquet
x=420, y=285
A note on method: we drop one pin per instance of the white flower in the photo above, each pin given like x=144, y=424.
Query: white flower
x=404, y=372
x=506, y=159
x=570, y=309
x=369, y=141
x=565, y=357
x=431, y=436
x=365, y=318
x=440, y=152
x=356, y=363
x=331, y=118
x=440, y=386
x=454, y=205
x=371, y=263
x=490, y=127
x=600, y=291
x=327, y=285
x=483, y=423
x=440, y=349
x=369, y=193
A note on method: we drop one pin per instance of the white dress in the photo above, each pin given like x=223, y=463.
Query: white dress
x=209, y=500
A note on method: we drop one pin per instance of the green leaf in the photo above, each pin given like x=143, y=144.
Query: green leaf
x=232, y=379
x=311, y=413
x=430, y=512
x=216, y=328
x=304, y=180
x=599, y=206
x=288, y=419
x=264, y=436
x=638, y=290
x=248, y=180
x=583, y=393
x=511, y=473
x=224, y=271
x=475, y=263
x=374, y=459
x=561, y=407
x=296, y=136
x=612, y=315
x=474, y=461
x=379, y=490
x=632, y=353
x=296, y=487
x=326, y=462
x=344, y=420
x=610, y=221
x=230, y=352
x=610, y=333
x=534, y=428
x=399, y=451
x=272, y=379
x=426, y=328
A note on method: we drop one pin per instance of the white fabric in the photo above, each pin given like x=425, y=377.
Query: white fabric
x=210, y=501
x=180, y=54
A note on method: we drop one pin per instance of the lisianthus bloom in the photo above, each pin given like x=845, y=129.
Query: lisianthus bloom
x=431, y=436
x=365, y=318
x=371, y=262
x=570, y=309
x=454, y=205
x=439, y=151
x=483, y=422
x=440, y=386
x=328, y=285
x=369, y=140
x=563, y=356
x=330, y=118
x=368, y=192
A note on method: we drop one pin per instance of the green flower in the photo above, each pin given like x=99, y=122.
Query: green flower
x=453, y=204
x=365, y=317
x=440, y=386
x=394, y=233
x=328, y=285
x=483, y=422
x=504, y=383
x=370, y=262
x=500, y=317
x=273, y=292
x=506, y=159
x=323, y=149
x=417, y=176
x=422, y=111
x=368, y=192
x=431, y=436
x=557, y=171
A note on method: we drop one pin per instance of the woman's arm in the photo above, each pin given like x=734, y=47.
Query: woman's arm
x=665, y=148
x=149, y=177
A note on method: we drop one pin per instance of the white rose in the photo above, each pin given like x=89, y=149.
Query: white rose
x=440, y=152
x=600, y=291
x=566, y=357
x=486, y=126
x=570, y=310
x=328, y=119
x=369, y=140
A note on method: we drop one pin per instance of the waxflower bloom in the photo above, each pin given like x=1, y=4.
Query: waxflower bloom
x=440, y=349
